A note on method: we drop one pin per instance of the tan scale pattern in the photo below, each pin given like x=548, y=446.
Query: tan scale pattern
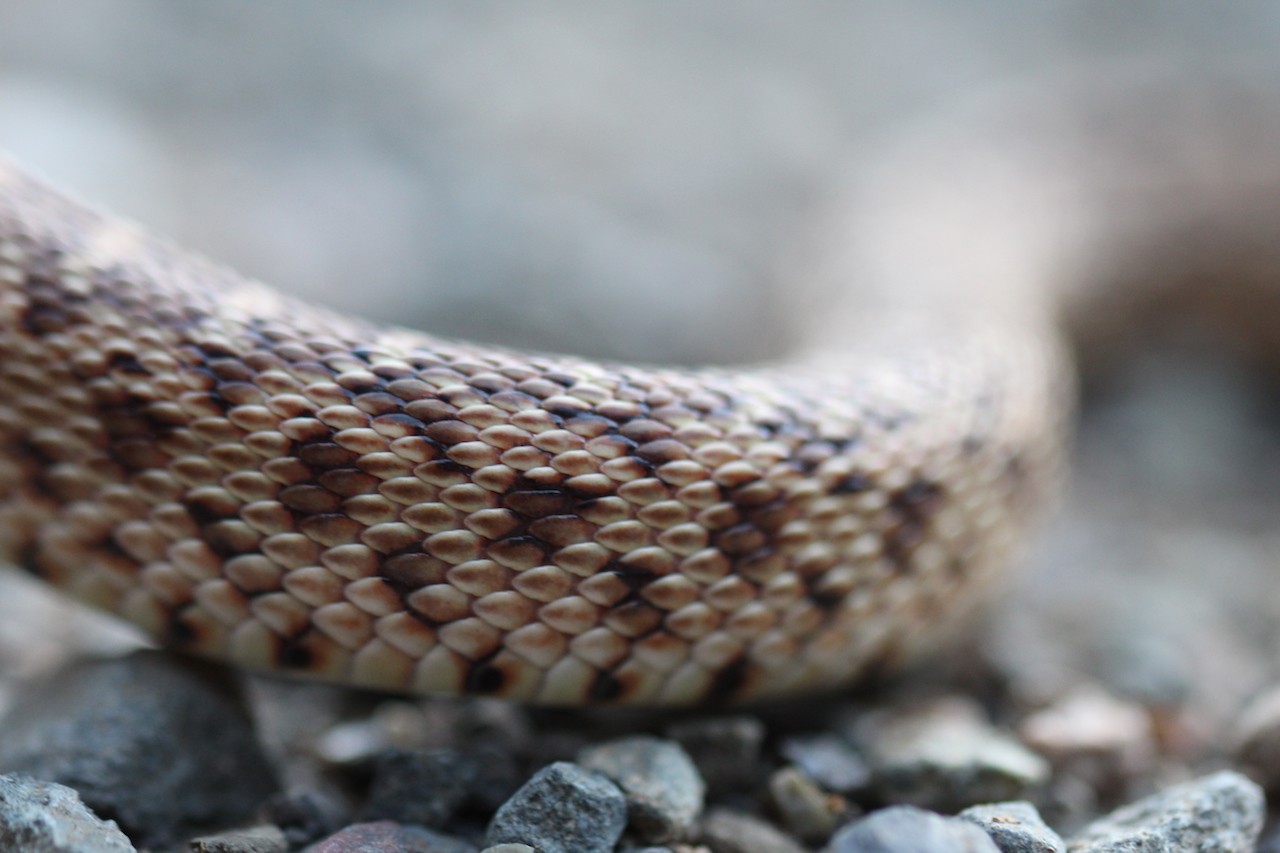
x=261, y=482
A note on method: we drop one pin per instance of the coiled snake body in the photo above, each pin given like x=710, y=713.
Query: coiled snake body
x=268, y=483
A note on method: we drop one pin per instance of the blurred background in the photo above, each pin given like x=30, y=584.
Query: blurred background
x=514, y=172
x=530, y=173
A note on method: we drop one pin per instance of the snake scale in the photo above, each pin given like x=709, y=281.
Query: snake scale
x=271, y=484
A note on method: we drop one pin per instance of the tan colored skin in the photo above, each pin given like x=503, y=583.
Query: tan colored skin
x=269, y=484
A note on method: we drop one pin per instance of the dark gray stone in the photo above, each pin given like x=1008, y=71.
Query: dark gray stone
x=306, y=815
x=43, y=817
x=728, y=831
x=386, y=836
x=419, y=786
x=1219, y=813
x=829, y=760
x=258, y=839
x=663, y=789
x=562, y=809
x=145, y=739
x=1015, y=827
x=907, y=829
x=726, y=750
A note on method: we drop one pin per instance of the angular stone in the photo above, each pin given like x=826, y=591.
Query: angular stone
x=1102, y=738
x=386, y=836
x=146, y=739
x=1222, y=813
x=807, y=811
x=907, y=829
x=259, y=839
x=1015, y=827
x=728, y=831
x=827, y=759
x=44, y=817
x=423, y=787
x=946, y=756
x=562, y=809
x=1256, y=738
x=306, y=815
x=663, y=789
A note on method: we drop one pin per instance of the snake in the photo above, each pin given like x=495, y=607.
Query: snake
x=285, y=488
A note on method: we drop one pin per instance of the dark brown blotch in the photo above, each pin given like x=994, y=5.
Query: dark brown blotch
x=560, y=531
x=326, y=454
x=537, y=503
x=310, y=499
x=348, y=482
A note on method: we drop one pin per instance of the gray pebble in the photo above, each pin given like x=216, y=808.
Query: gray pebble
x=727, y=831
x=259, y=839
x=1102, y=738
x=562, y=809
x=804, y=808
x=1221, y=813
x=946, y=756
x=146, y=740
x=386, y=836
x=663, y=789
x=306, y=815
x=1015, y=827
x=907, y=829
x=509, y=848
x=726, y=750
x=419, y=786
x=1256, y=738
x=43, y=817
x=827, y=759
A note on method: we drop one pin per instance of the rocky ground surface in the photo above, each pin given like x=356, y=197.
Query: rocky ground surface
x=527, y=175
x=1123, y=696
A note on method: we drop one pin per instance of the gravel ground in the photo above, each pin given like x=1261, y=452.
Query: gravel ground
x=451, y=156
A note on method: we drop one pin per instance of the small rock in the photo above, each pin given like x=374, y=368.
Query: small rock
x=829, y=760
x=1015, y=827
x=419, y=787
x=1095, y=736
x=1221, y=812
x=1146, y=667
x=44, y=817
x=500, y=775
x=562, y=809
x=907, y=829
x=663, y=789
x=306, y=815
x=726, y=750
x=144, y=739
x=259, y=839
x=946, y=756
x=1069, y=802
x=1256, y=738
x=386, y=836
x=509, y=848
x=807, y=811
x=728, y=831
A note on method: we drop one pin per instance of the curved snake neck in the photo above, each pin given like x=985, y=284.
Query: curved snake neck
x=271, y=484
